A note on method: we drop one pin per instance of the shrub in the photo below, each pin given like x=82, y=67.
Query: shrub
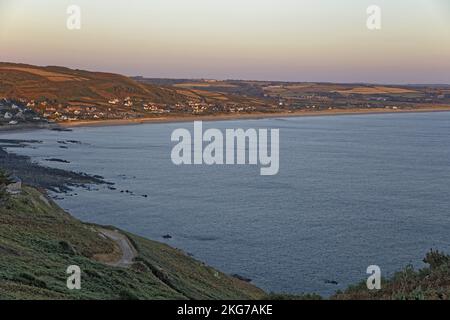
x=436, y=259
x=67, y=248
x=31, y=280
x=4, y=181
x=127, y=295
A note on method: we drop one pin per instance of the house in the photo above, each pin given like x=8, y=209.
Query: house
x=20, y=115
x=15, y=187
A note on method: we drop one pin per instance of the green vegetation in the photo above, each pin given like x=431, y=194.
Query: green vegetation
x=4, y=181
x=38, y=241
x=306, y=297
x=431, y=283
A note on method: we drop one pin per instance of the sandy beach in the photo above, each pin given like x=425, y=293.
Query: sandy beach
x=258, y=115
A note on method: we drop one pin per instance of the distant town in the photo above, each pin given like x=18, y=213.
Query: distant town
x=13, y=113
x=39, y=95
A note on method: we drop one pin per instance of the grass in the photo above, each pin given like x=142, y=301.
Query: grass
x=59, y=85
x=52, y=76
x=4, y=181
x=430, y=283
x=62, y=85
x=371, y=90
x=38, y=241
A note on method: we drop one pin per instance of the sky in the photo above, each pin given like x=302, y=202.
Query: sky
x=289, y=40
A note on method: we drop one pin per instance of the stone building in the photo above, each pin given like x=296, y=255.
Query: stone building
x=15, y=187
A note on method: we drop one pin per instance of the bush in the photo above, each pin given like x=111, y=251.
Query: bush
x=67, y=248
x=4, y=181
x=278, y=297
x=30, y=280
x=436, y=259
x=4, y=178
x=127, y=295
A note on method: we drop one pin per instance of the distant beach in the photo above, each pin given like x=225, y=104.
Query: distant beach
x=258, y=115
x=214, y=117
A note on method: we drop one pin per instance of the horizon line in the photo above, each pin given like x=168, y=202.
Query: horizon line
x=242, y=79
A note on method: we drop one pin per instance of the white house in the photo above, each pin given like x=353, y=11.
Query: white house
x=15, y=187
x=20, y=115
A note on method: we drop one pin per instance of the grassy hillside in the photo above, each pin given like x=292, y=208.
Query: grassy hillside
x=61, y=94
x=68, y=86
x=60, y=85
x=322, y=96
x=38, y=241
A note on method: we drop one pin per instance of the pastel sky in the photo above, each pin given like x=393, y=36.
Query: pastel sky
x=296, y=40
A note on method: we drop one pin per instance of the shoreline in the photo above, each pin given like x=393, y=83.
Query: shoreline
x=60, y=181
x=248, y=116
x=215, y=117
x=21, y=127
x=254, y=116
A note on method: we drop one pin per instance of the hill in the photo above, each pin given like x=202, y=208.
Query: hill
x=38, y=241
x=59, y=94
x=64, y=85
x=63, y=94
x=310, y=96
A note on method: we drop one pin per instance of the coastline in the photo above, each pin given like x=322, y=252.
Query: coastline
x=247, y=116
x=155, y=264
x=215, y=117
x=40, y=176
x=348, y=294
x=27, y=127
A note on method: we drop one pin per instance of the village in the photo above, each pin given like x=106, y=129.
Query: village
x=277, y=98
x=23, y=110
x=13, y=113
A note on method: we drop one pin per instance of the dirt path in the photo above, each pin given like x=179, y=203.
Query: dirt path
x=128, y=252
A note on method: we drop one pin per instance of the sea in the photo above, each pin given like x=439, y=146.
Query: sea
x=352, y=191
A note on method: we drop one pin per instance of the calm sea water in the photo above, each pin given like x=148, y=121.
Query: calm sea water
x=352, y=191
